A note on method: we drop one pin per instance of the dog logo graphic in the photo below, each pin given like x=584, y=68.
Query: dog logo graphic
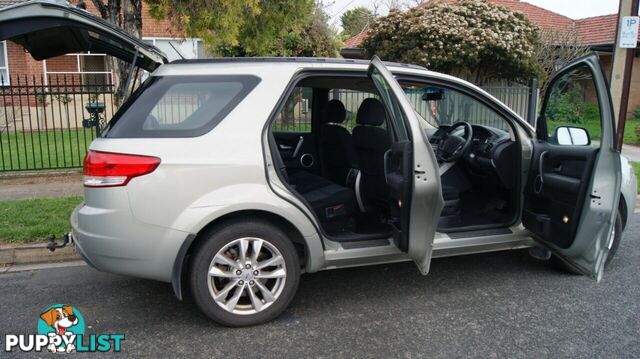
x=62, y=323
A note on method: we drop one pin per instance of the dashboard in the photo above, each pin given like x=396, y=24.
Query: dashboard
x=491, y=154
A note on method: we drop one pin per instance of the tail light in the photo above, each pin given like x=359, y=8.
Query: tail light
x=105, y=169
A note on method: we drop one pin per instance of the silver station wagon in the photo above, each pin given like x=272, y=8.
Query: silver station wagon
x=230, y=178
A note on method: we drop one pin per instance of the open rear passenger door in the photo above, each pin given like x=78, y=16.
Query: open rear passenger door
x=573, y=187
x=411, y=172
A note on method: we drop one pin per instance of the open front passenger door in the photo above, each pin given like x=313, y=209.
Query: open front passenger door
x=573, y=187
x=411, y=172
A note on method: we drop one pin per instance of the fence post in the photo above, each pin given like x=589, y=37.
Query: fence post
x=533, y=102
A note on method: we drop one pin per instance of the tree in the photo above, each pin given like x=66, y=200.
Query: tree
x=127, y=15
x=317, y=39
x=556, y=49
x=237, y=28
x=355, y=20
x=472, y=39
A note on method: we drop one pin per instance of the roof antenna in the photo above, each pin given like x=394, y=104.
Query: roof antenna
x=178, y=52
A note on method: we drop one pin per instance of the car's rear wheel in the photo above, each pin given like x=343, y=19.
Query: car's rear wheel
x=244, y=273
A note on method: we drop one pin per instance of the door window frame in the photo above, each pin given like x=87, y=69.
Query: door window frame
x=542, y=133
x=513, y=122
x=508, y=117
x=396, y=133
x=270, y=146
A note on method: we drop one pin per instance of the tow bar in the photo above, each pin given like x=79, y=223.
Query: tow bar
x=53, y=245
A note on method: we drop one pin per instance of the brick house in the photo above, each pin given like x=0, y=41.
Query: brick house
x=91, y=67
x=597, y=32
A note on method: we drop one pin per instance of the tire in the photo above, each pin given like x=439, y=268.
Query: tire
x=617, y=238
x=560, y=265
x=245, y=294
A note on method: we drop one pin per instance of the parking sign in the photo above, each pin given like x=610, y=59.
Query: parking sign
x=629, y=32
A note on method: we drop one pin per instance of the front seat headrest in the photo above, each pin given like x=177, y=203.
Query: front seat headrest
x=335, y=112
x=371, y=112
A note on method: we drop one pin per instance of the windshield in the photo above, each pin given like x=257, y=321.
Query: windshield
x=437, y=106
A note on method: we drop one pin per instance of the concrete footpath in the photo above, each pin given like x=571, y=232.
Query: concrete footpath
x=16, y=255
x=37, y=185
x=631, y=152
x=40, y=185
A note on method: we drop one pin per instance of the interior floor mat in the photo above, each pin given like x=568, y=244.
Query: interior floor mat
x=365, y=227
x=477, y=209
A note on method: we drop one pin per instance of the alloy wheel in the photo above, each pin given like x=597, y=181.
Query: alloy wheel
x=247, y=275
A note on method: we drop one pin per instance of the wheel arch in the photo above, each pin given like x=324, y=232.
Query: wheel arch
x=306, y=249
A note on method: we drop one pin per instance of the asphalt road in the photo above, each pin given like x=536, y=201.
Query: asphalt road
x=490, y=305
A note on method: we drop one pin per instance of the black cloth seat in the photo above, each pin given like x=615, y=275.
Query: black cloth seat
x=371, y=142
x=337, y=152
x=334, y=205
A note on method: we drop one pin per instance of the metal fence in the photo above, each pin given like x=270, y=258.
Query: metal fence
x=41, y=119
x=453, y=107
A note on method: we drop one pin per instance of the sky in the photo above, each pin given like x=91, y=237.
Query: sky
x=574, y=9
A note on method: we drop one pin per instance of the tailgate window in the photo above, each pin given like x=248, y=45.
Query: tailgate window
x=179, y=106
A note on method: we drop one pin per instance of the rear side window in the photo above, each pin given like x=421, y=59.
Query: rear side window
x=179, y=106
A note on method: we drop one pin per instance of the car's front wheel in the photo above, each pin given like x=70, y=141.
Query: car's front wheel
x=244, y=273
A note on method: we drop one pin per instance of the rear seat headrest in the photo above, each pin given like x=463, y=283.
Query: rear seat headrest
x=371, y=112
x=335, y=112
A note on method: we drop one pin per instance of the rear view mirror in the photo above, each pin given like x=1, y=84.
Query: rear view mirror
x=572, y=136
x=433, y=94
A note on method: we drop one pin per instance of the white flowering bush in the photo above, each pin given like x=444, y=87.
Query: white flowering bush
x=470, y=38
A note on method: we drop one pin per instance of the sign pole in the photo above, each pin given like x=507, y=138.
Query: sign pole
x=626, y=42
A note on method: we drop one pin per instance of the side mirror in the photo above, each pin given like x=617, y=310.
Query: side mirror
x=571, y=136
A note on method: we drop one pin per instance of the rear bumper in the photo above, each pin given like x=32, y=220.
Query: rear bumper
x=122, y=245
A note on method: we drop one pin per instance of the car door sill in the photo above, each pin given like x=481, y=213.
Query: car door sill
x=480, y=233
x=514, y=238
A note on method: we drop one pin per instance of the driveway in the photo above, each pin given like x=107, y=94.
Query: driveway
x=490, y=305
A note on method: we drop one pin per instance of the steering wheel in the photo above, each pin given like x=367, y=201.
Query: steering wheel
x=453, y=147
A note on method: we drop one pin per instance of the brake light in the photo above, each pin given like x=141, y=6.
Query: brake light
x=106, y=169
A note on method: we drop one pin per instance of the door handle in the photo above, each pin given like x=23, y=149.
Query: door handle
x=541, y=165
x=418, y=172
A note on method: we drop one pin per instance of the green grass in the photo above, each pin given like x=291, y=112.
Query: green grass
x=43, y=149
x=636, y=169
x=593, y=126
x=35, y=219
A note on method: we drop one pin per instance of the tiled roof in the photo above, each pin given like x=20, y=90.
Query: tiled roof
x=599, y=30
x=545, y=19
x=356, y=40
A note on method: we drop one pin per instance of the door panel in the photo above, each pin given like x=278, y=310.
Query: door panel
x=561, y=175
x=398, y=173
x=295, y=133
x=422, y=193
x=572, y=191
x=298, y=150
